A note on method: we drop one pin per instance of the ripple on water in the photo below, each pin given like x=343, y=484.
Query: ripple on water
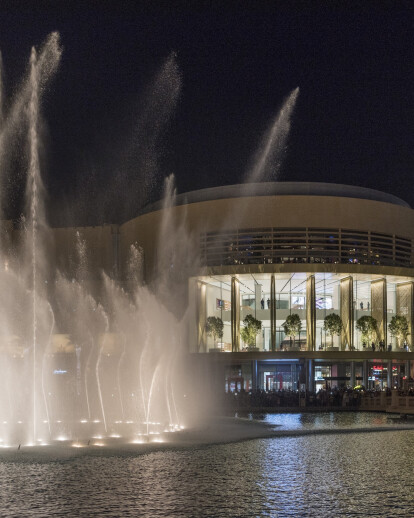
x=333, y=475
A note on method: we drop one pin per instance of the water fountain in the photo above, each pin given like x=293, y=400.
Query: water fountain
x=81, y=365
x=74, y=366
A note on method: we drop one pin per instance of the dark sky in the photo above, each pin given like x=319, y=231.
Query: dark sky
x=237, y=61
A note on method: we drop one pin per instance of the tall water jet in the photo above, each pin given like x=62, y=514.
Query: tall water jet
x=138, y=162
x=1, y=92
x=34, y=186
x=80, y=357
x=1, y=131
x=41, y=70
x=267, y=161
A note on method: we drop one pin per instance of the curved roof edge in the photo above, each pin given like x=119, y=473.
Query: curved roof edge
x=279, y=189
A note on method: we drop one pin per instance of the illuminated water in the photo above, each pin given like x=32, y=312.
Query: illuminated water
x=79, y=360
x=354, y=474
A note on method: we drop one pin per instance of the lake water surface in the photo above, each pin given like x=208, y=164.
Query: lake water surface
x=319, y=475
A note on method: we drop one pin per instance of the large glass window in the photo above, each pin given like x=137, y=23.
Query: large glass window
x=290, y=298
x=362, y=307
x=218, y=304
x=327, y=302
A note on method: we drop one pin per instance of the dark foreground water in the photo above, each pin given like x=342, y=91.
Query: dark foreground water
x=321, y=475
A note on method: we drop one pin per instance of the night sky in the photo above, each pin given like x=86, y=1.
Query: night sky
x=117, y=124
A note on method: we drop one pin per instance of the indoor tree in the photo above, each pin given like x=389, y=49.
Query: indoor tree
x=292, y=326
x=367, y=325
x=251, y=329
x=399, y=328
x=333, y=325
x=214, y=328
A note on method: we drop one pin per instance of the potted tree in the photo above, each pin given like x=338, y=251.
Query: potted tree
x=333, y=325
x=398, y=327
x=251, y=329
x=214, y=328
x=292, y=326
x=367, y=325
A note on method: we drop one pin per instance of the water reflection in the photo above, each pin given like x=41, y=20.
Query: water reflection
x=335, y=475
x=326, y=420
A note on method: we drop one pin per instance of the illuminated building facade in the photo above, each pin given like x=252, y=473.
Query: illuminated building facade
x=309, y=249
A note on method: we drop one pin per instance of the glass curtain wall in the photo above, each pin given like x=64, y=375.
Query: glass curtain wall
x=362, y=307
x=290, y=298
x=255, y=301
x=327, y=287
x=218, y=304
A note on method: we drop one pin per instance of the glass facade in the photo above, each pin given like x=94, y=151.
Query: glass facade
x=312, y=303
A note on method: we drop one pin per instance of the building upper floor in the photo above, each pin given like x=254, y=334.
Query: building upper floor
x=251, y=226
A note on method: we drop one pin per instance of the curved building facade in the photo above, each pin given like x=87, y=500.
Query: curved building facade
x=308, y=249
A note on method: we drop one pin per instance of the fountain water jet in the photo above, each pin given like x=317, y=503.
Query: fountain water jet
x=55, y=325
x=273, y=143
x=110, y=352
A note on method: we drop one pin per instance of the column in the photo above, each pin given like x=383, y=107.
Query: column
x=407, y=369
x=257, y=297
x=260, y=339
x=201, y=315
x=310, y=313
x=365, y=373
x=310, y=375
x=254, y=375
x=405, y=306
x=379, y=307
x=273, y=312
x=352, y=380
x=389, y=374
x=347, y=313
x=235, y=315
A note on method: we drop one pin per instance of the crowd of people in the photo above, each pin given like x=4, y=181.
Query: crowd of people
x=343, y=397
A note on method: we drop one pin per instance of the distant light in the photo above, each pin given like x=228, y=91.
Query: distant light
x=98, y=444
x=84, y=420
x=97, y=437
x=77, y=445
x=60, y=371
x=115, y=436
x=62, y=438
x=157, y=439
x=96, y=421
